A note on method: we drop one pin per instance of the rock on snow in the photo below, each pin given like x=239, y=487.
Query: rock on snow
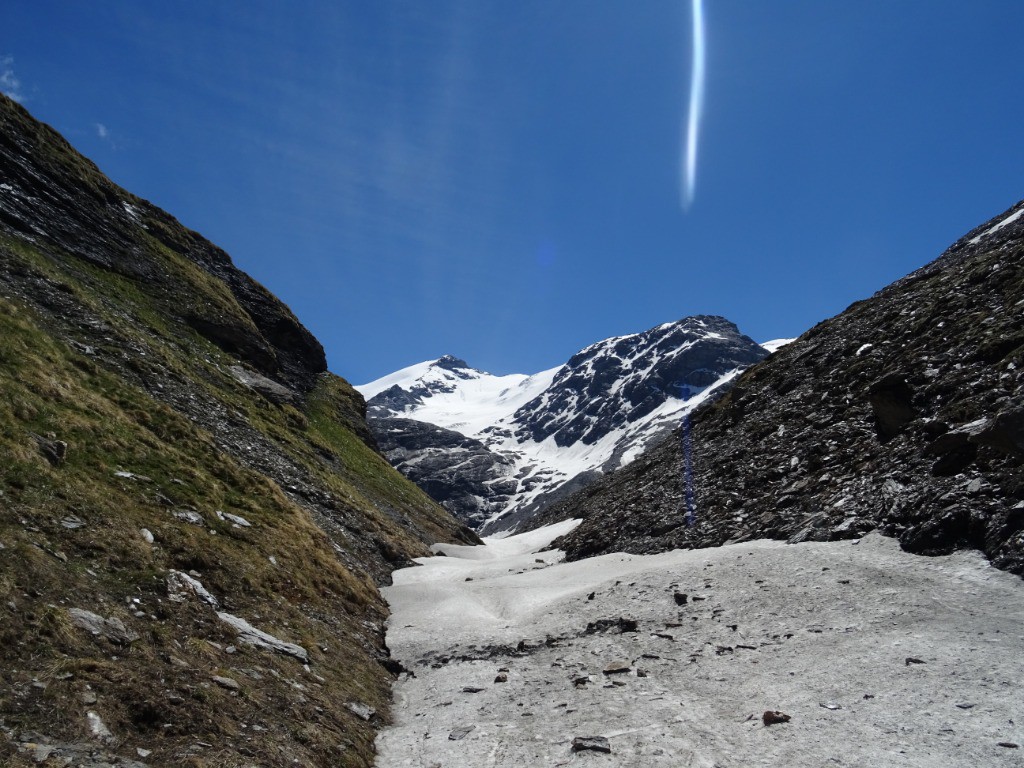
x=769, y=627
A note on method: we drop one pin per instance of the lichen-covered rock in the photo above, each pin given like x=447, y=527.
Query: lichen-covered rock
x=249, y=635
x=111, y=628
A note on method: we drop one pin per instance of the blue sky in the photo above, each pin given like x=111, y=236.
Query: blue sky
x=501, y=180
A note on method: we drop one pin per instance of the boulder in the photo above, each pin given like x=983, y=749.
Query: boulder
x=112, y=628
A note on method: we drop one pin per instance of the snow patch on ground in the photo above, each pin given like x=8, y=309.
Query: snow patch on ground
x=496, y=549
x=878, y=656
x=992, y=230
x=776, y=344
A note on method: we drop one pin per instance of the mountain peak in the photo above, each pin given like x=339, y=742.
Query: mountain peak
x=536, y=435
x=450, y=363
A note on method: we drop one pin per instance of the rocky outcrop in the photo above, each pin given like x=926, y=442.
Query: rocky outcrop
x=74, y=205
x=901, y=414
x=462, y=474
x=619, y=381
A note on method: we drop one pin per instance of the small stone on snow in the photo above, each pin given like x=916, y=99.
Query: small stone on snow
x=618, y=667
x=774, y=717
x=458, y=734
x=591, y=743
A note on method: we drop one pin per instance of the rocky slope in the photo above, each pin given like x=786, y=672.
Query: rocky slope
x=904, y=414
x=527, y=441
x=460, y=473
x=193, y=518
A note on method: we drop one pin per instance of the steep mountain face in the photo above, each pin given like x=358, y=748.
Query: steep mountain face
x=455, y=470
x=902, y=414
x=527, y=441
x=193, y=518
x=621, y=381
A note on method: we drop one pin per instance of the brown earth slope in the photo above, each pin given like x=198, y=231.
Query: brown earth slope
x=176, y=462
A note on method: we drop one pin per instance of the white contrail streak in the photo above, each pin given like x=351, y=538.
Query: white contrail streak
x=689, y=153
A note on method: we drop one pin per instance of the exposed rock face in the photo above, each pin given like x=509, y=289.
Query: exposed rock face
x=173, y=446
x=410, y=396
x=903, y=414
x=496, y=450
x=619, y=381
x=112, y=629
x=100, y=224
x=460, y=473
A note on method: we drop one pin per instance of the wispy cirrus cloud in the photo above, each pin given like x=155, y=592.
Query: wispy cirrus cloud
x=104, y=134
x=10, y=85
x=697, y=73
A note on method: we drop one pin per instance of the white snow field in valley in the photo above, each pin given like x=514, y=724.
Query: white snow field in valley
x=878, y=657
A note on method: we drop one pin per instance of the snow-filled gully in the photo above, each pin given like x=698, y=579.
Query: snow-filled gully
x=877, y=656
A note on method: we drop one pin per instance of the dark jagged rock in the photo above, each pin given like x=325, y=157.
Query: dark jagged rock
x=591, y=744
x=462, y=474
x=618, y=381
x=620, y=625
x=774, y=717
x=900, y=414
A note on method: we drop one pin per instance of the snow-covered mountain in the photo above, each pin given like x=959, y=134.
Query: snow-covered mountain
x=496, y=449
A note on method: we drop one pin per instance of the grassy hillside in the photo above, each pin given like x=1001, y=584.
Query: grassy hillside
x=162, y=413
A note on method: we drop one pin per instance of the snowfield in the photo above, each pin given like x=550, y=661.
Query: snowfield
x=600, y=410
x=879, y=657
x=468, y=403
x=483, y=406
